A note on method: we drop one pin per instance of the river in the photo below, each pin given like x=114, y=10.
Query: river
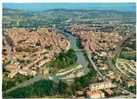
x=73, y=44
x=81, y=59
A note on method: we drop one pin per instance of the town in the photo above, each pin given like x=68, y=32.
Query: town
x=63, y=53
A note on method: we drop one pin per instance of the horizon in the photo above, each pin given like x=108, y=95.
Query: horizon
x=71, y=6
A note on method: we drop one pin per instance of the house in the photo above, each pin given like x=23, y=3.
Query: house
x=95, y=94
x=131, y=83
x=101, y=85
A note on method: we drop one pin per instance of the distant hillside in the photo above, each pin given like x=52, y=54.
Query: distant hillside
x=7, y=11
x=23, y=18
x=12, y=12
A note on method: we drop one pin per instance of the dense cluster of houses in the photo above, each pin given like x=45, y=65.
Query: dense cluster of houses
x=30, y=50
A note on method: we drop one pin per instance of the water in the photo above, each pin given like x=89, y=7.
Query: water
x=80, y=55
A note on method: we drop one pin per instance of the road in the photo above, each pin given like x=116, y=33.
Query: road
x=117, y=52
x=40, y=77
x=26, y=83
x=8, y=47
x=130, y=93
x=94, y=65
x=123, y=97
x=119, y=48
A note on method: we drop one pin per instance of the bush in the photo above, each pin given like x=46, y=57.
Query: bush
x=40, y=89
x=9, y=83
x=83, y=81
x=63, y=60
x=128, y=55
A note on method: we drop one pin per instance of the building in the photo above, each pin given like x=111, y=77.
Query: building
x=33, y=49
x=131, y=83
x=95, y=94
x=101, y=85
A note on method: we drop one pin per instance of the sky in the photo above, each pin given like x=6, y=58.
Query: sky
x=88, y=6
